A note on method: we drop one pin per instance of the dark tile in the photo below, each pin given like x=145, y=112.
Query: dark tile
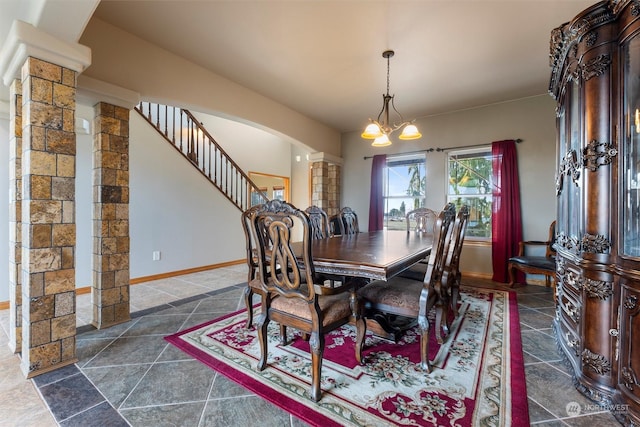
x=244, y=411
x=88, y=349
x=537, y=413
x=540, y=345
x=58, y=374
x=186, y=414
x=157, y=325
x=110, y=332
x=553, y=390
x=98, y=416
x=70, y=396
x=129, y=350
x=223, y=388
x=535, y=319
x=158, y=387
x=186, y=308
x=601, y=419
x=533, y=301
x=217, y=305
x=173, y=353
x=116, y=382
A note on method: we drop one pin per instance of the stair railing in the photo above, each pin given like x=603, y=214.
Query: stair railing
x=187, y=135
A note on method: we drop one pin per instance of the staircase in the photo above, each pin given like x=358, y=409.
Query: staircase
x=187, y=135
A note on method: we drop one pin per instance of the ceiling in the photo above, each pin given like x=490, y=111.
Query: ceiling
x=324, y=58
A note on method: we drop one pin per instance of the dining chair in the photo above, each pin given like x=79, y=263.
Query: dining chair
x=421, y=220
x=253, y=287
x=408, y=298
x=449, y=288
x=292, y=294
x=319, y=222
x=529, y=263
x=347, y=221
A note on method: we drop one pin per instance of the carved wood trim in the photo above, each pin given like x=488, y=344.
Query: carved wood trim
x=597, y=288
x=595, y=244
x=597, y=154
x=595, y=362
x=629, y=377
x=568, y=166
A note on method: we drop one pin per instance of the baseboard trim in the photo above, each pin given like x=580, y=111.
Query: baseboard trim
x=186, y=271
x=4, y=305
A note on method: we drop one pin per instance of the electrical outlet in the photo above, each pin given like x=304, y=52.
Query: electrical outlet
x=156, y=255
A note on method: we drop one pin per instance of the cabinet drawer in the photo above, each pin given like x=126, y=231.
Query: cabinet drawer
x=569, y=339
x=570, y=310
x=571, y=284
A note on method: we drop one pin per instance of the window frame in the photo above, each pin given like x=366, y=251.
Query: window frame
x=397, y=160
x=455, y=198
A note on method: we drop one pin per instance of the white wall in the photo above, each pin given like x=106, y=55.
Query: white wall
x=531, y=119
x=176, y=211
x=173, y=208
x=158, y=75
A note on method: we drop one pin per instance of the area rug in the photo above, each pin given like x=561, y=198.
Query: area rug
x=477, y=377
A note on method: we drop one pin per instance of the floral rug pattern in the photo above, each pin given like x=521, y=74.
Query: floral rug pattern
x=475, y=381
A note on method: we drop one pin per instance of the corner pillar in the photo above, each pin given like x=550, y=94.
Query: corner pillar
x=326, y=182
x=110, y=289
x=15, y=216
x=48, y=216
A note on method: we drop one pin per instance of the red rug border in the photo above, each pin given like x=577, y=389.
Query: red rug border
x=518, y=377
x=519, y=406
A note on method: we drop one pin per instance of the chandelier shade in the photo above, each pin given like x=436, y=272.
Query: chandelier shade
x=380, y=129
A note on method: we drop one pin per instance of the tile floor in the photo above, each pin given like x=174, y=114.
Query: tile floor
x=128, y=375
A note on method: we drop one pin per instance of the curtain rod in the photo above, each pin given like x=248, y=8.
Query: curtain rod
x=518, y=141
x=428, y=150
x=438, y=149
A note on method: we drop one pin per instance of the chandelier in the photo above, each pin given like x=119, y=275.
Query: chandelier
x=378, y=130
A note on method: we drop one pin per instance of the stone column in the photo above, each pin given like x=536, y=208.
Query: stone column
x=325, y=186
x=15, y=216
x=48, y=216
x=319, y=175
x=110, y=291
x=333, y=188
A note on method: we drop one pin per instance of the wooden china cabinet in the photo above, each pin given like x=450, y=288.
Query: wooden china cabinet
x=595, y=80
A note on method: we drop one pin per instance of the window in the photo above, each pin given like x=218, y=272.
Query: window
x=404, y=184
x=470, y=183
x=278, y=192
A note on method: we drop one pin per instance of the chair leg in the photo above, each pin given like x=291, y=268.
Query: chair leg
x=283, y=334
x=361, y=333
x=455, y=296
x=248, y=301
x=263, y=323
x=512, y=275
x=423, y=326
x=316, y=343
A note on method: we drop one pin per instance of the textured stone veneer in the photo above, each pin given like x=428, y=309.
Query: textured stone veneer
x=15, y=217
x=325, y=186
x=48, y=216
x=110, y=293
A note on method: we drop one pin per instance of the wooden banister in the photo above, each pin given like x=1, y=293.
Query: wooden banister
x=188, y=136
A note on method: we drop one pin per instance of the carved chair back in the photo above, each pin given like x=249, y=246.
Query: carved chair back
x=421, y=220
x=319, y=221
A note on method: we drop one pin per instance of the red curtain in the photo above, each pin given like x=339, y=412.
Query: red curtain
x=376, y=199
x=506, y=220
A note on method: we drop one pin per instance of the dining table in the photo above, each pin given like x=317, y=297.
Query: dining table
x=374, y=255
